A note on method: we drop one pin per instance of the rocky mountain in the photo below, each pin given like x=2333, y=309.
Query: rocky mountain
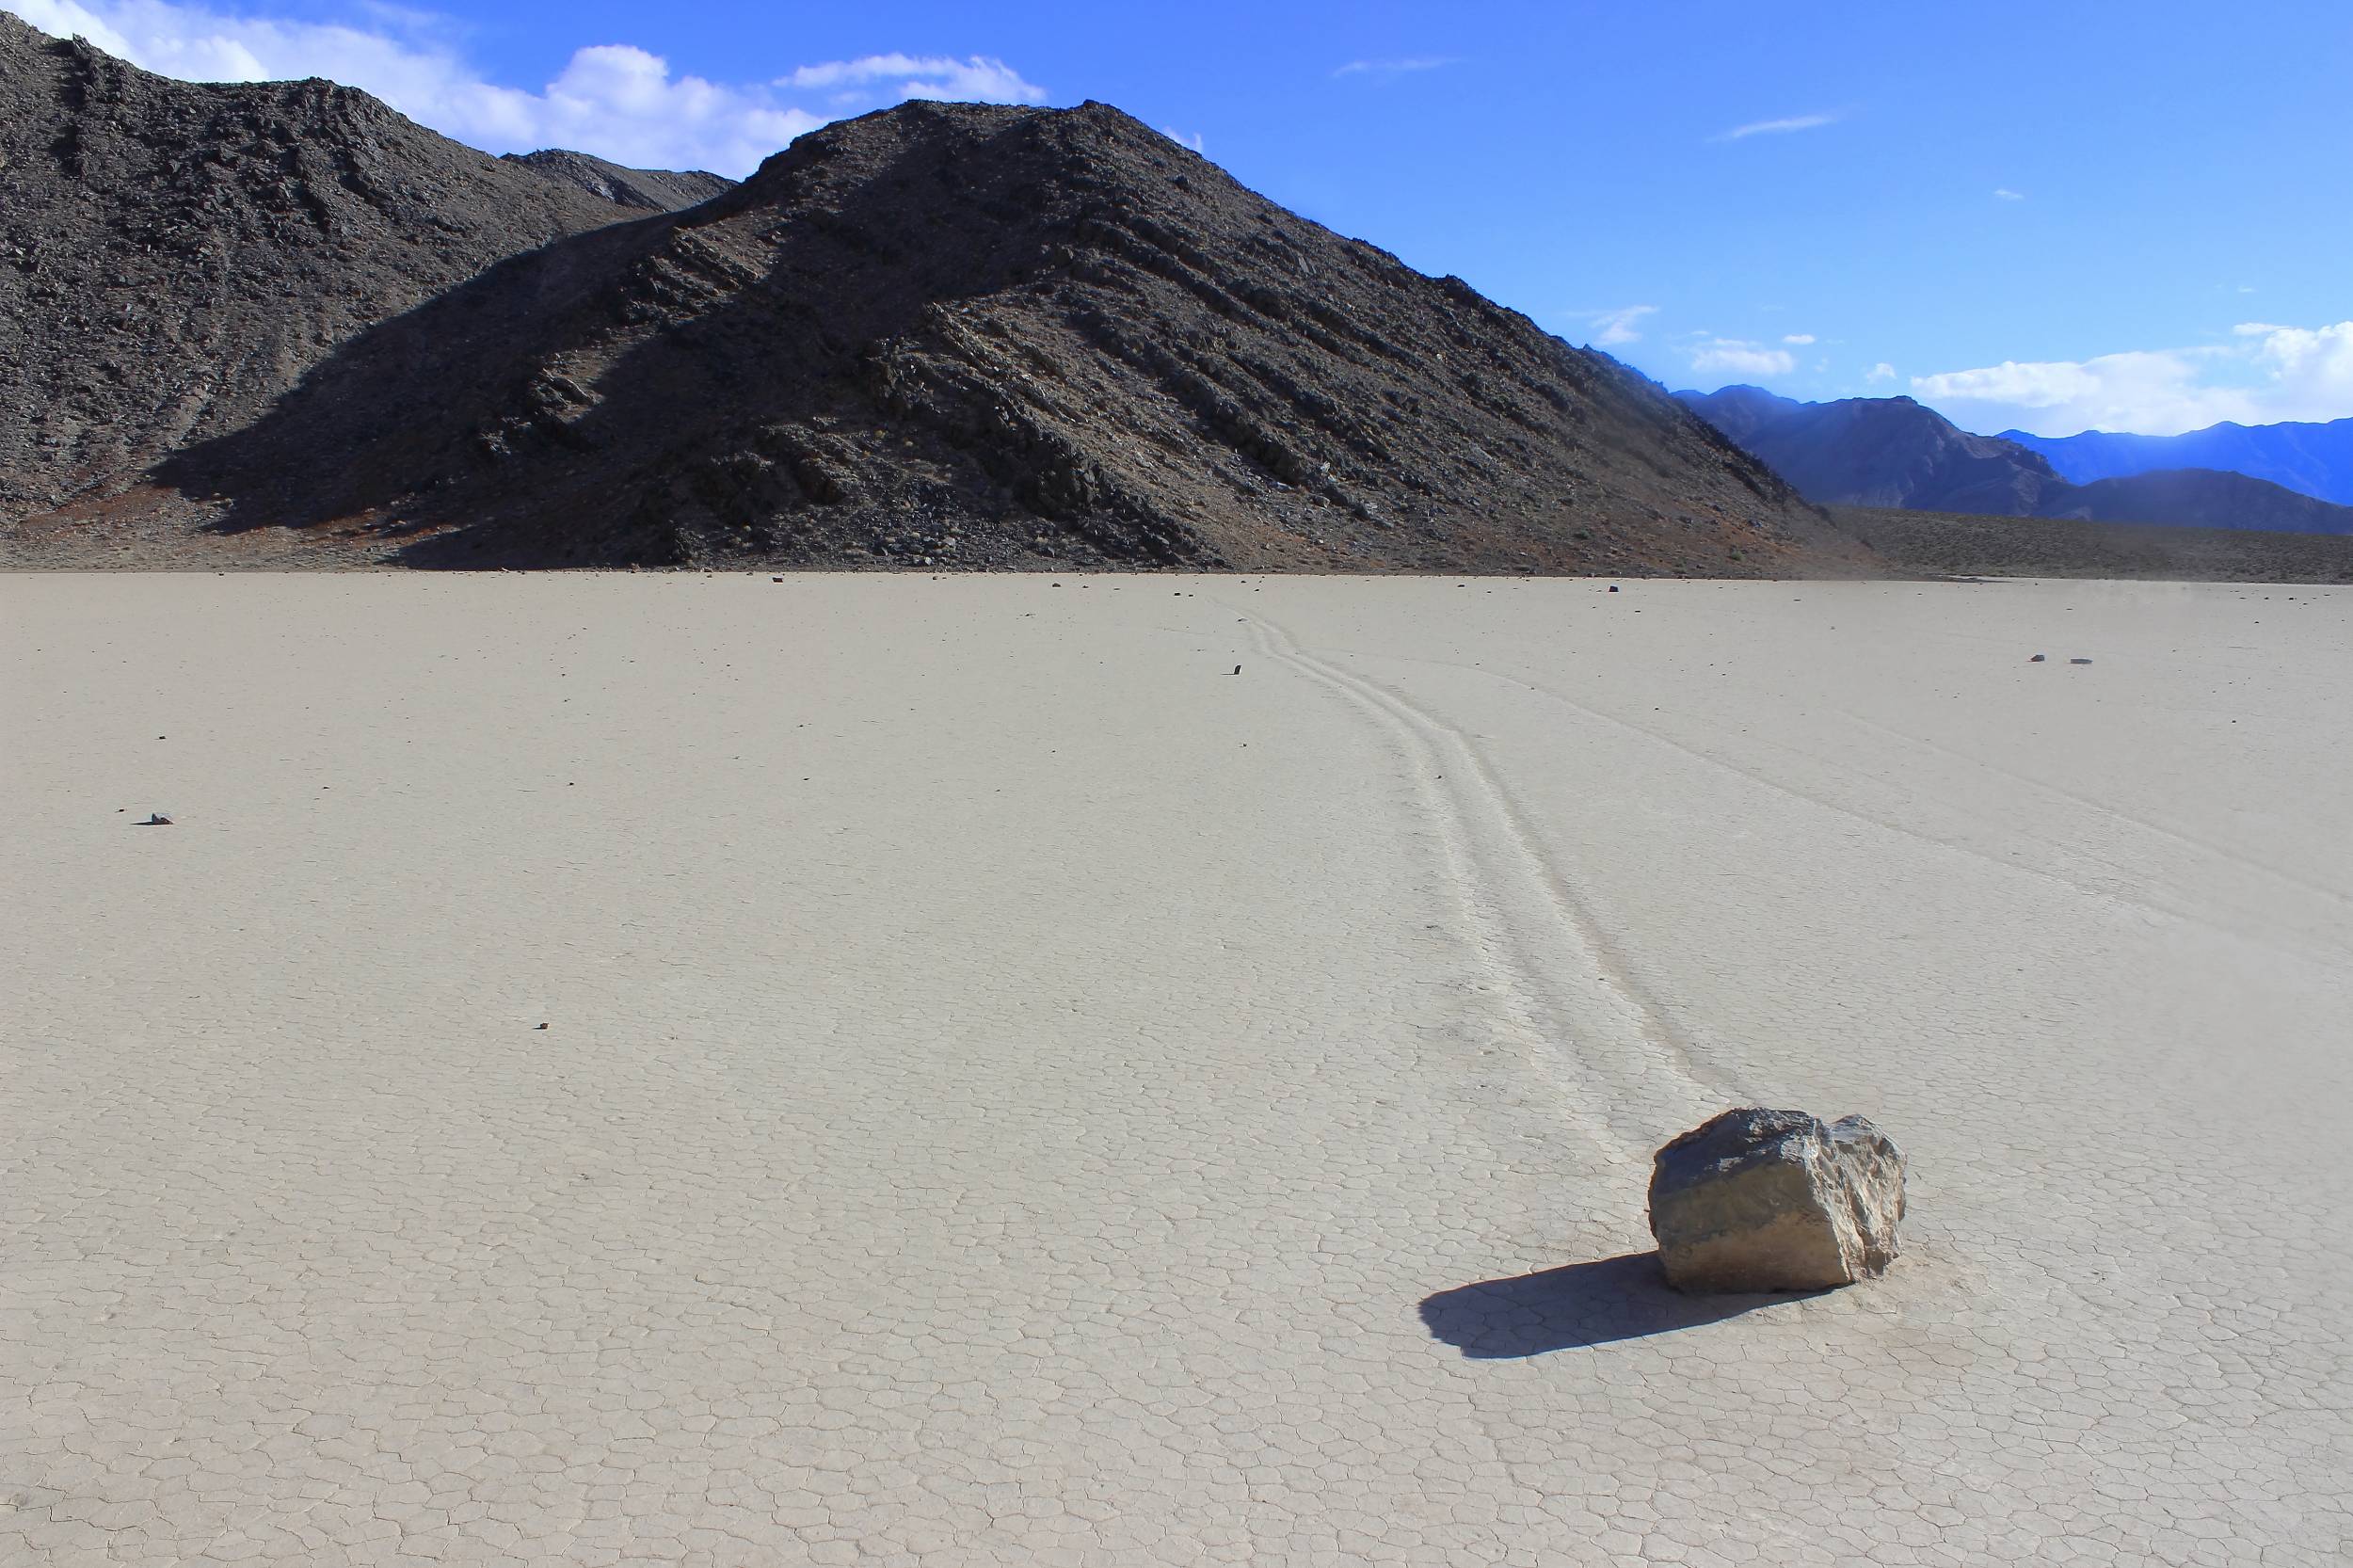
x=2314, y=459
x=650, y=190
x=174, y=256
x=966, y=335
x=2199, y=498
x=1890, y=452
x=1878, y=451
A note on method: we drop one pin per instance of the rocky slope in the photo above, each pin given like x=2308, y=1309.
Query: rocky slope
x=1886, y=452
x=174, y=256
x=963, y=335
x=650, y=190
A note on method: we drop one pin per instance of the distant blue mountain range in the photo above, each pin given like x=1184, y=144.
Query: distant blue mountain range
x=1892, y=452
x=2315, y=460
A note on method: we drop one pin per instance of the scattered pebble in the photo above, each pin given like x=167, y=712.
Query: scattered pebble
x=2079, y=660
x=2038, y=658
x=155, y=819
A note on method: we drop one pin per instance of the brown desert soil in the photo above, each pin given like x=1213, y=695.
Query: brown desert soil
x=1945, y=544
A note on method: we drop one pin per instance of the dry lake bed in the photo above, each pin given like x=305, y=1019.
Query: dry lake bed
x=616, y=1069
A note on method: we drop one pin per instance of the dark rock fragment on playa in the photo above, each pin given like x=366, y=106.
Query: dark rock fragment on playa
x=2038, y=658
x=156, y=820
x=1776, y=1200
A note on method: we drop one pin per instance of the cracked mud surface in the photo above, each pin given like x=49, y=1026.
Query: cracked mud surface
x=1015, y=1093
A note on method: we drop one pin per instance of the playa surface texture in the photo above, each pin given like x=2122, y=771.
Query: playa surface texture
x=1012, y=1090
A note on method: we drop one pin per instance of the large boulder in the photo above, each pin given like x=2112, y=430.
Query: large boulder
x=1776, y=1200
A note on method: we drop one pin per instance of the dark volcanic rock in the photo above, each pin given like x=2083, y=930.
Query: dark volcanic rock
x=652, y=190
x=972, y=336
x=173, y=256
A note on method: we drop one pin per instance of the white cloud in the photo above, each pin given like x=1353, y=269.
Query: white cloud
x=616, y=101
x=1621, y=326
x=1181, y=139
x=976, y=80
x=1396, y=68
x=1738, y=357
x=2006, y=194
x=1776, y=127
x=1800, y=338
x=1880, y=372
x=2271, y=373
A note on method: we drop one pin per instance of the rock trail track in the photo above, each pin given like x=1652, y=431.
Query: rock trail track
x=1562, y=993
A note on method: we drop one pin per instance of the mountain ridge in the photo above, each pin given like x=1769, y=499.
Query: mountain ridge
x=939, y=334
x=2312, y=458
x=174, y=255
x=1894, y=451
x=650, y=190
x=977, y=335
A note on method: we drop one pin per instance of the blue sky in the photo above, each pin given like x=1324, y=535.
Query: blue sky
x=2056, y=215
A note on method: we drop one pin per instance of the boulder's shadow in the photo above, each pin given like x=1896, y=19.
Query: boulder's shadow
x=1575, y=1307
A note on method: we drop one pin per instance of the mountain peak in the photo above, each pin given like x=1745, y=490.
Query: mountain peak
x=962, y=333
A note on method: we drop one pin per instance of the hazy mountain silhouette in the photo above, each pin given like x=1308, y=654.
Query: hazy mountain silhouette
x=1892, y=451
x=2315, y=460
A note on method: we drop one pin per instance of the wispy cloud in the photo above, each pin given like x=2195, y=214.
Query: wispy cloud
x=976, y=79
x=2270, y=373
x=1738, y=357
x=1879, y=373
x=1776, y=127
x=614, y=99
x=1613, y=329
x=2006, y=194
x=1396, y=68
x=1800, y=338
x=1182, y=138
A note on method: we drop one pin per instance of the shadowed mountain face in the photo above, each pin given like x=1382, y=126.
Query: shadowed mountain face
x=1890, y=452
x=174, y=256
x=1877, y=452
x=648, y=190
x=2313, y=460
x=960, y=335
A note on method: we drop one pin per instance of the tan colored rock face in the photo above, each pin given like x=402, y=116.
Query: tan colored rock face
x=1774, y=1200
